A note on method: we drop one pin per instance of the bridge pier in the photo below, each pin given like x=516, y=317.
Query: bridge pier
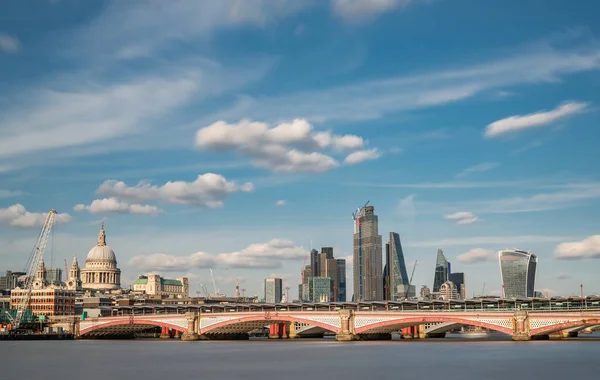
x=283, y=330
x=292, y=330
x=521, y=326
x=274, y=331
x=164, y=333
x=563, y=334
x=190, y=334
x=346, y=333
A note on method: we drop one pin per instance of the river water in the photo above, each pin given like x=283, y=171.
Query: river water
x=444, y=359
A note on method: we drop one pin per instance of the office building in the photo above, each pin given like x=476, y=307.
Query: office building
x=458, y=279
x=10, y=280
x=397, y=283
x=341, y=278
x=273, y=290
x=442, y=269
x=367, y=255
x=48, y=301
x=517, y=271
x=328, y=269
x=448, y=291
x=314, y=263
x=320, y=289
x=154, y=284
x=54, y=276
x=425, y=292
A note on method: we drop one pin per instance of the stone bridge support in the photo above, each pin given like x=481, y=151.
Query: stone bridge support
x=346, y=332
x=521, y=326
x=190, y=334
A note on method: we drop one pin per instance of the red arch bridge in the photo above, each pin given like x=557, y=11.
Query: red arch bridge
x=346, y=324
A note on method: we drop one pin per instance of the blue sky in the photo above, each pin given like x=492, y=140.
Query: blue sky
x=232, y=134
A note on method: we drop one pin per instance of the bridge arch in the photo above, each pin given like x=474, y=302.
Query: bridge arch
x=412, y=321
x=262, y=320
x=136, y=325
x=564, y=326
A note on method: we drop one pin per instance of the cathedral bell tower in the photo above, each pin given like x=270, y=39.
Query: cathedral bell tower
x=74, y=280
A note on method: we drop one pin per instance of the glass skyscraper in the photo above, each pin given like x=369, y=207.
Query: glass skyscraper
x=442, y=269
x=517, y=270
x=273, y=290
x=396, y=276
x=367, y=255
x=458, y=279
x=341, y=277
x=320, y=289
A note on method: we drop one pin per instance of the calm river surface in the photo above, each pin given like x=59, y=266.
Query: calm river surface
x=446, y=359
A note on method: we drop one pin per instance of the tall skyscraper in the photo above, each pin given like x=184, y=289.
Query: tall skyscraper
x=314, y=263
x=368, y=262
x=328, y=268
x=458, y=279
x=517, y=271
x=341, y=277
x=396, y=276
x=442, y=269
x=273, y=290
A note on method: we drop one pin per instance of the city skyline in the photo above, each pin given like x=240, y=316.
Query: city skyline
x=238, y=140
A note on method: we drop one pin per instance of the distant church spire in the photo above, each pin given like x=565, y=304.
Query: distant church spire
x=102, y=236
x=75, y=264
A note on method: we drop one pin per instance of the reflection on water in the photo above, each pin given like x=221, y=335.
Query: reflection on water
x=454, y=357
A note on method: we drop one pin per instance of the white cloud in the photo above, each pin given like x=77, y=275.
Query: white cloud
x=55, y=118
x=129, y=30
x=532, y=64
x=17, y=216
x=99, y=206
x=588, y=248
x=208, y=190
x=280, y=202
x=9, y=44
x=359, y=10
x=260, y=256
x=463, y=217
x=563, y=195
x=488, y=240
x=9, y=193
x=476, y=255
x=362, y=156
x=479, y=168
x=562, y=276
x=518, y=123
x=286, y=147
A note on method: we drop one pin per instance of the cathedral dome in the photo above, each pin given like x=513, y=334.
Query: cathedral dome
x=101, y=252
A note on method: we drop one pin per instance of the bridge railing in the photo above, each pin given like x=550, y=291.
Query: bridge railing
x=379, y=307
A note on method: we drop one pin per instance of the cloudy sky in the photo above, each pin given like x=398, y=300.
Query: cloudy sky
x=235, y=134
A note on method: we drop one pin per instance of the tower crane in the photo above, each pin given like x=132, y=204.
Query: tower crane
x=35, y=259
x=410, y=281
x=214, y=284
x=66, y=271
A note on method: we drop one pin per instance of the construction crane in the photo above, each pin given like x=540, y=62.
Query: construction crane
x=66, y=271
x=35, y=259
x=410, y=281
x=483, y=290
x=214, y=284
x=356, y=216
